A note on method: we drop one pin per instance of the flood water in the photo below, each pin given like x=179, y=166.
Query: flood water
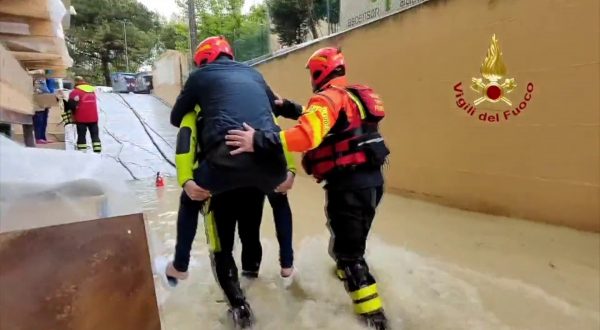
x=437, y=268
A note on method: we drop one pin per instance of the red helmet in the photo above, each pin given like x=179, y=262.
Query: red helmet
x=322, y=63
x=210, y=49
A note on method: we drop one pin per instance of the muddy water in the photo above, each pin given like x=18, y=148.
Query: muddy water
x=438, y=268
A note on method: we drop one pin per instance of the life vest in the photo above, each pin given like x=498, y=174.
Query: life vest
x=354, y=141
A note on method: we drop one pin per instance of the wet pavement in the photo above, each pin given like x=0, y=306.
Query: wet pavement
x=136, y=133
x=437, y=268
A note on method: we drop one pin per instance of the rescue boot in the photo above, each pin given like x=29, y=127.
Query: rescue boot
x=363, y=291
x=376, y=320
x=339, y=273
x=232, y=289
x=242, y=316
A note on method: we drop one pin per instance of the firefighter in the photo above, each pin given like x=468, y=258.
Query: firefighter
x=191, y=203
x=220, y=95
x=339, y=134
x=82, y=103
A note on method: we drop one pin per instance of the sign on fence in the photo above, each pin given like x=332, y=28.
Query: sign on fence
x=357, y=12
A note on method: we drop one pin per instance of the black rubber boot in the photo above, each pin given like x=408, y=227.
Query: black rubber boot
x=242, y=316
x=376, y=320
x=338, y=272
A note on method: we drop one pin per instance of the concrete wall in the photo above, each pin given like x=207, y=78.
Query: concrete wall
x=170, y=72
x=542, y=164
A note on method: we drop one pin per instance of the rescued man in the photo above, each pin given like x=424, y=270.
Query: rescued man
x=221, y=95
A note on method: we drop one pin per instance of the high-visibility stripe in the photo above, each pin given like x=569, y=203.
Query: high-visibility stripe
x=82, y=146
x=361, y=109
x=324, y=112
x=86, y=88
x=340, y=274
x=213, y=238
x=185, y=153
x=368, y=306
x=210, y=227
x=284, y=145
x=364, y=292
x=315, y=125
x=318, y=120
x=289, y=158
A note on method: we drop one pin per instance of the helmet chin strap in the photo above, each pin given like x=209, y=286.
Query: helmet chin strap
x=320, y=86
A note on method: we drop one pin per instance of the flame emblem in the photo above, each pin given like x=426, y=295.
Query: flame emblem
x=493, y=71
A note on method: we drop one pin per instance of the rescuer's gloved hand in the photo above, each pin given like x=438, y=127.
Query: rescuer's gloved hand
x=289, y=109
x=67, y=118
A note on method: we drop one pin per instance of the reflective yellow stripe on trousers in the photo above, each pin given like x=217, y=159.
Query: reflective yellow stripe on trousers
x=210, y=227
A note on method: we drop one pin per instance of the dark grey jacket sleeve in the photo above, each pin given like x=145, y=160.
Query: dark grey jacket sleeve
x=267, y=142
x=186, y=101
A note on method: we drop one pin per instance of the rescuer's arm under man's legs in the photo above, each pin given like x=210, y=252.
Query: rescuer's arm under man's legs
x=186, y=157
x=186, y=101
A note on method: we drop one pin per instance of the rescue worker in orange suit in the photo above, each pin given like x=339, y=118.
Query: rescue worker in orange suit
x=84, y=111
x=218, y=96
x=339, y=134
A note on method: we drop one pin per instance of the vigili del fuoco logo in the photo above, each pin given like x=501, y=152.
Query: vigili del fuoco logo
x=494, y=88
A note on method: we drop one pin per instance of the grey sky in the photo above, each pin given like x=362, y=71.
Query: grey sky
x=167, y=8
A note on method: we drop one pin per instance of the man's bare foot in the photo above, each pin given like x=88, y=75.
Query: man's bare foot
x=287, y=276
x=172, y=272
x=286, y=272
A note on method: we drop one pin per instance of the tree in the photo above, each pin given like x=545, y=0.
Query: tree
x=289, y=18
x=329, y=11
x=294, y=19
x=252, y=40
x=96, y=37
x=175, y=35
x=247, y=33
